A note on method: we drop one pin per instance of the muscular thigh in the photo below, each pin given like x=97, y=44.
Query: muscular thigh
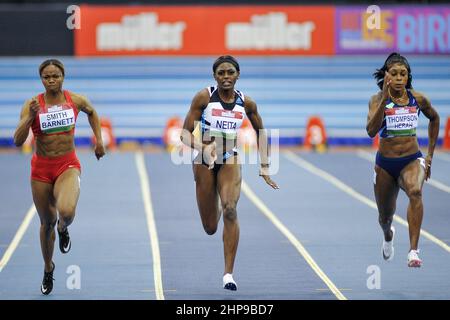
x=412, y=176
x=43, y=200
x=386, y=191
x=67, y=187
x=229, y=181
x=206, y=190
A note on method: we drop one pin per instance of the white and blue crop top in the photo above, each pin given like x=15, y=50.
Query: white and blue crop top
x=220, y=119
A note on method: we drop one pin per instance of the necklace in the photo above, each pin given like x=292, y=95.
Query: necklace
x=403, y=98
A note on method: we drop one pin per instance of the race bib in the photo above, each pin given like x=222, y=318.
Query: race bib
x=225, y=123
x=57, y=119
x=401, y=121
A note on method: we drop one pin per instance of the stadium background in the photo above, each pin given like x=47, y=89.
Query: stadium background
x=141, y=63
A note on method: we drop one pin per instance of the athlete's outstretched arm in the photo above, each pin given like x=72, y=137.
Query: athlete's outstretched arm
x=261, y=135
x=85, y=105
x=433, y=128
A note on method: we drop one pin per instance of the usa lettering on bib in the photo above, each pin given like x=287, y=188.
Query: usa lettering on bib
x=401, y=121
x=57, y=120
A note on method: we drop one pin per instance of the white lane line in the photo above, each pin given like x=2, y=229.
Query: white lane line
x=437, y=184
x=17, y=237
x=369, y=156
x=294, y=241
x=151, y=225
x=342, y=186
x=432, y=182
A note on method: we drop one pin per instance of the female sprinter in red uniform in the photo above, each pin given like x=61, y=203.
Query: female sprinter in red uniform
x=394, y=114
x=217, y=169
x=55, y=169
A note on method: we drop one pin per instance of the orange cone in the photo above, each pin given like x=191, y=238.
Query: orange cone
x=109, y=140
x=446, y=142
x=376, y=142
x=316, y=136
x=172, y=131
x=247, y=136
x=28, y=145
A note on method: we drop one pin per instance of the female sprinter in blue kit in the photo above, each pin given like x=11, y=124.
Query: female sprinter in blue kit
x=394, y=114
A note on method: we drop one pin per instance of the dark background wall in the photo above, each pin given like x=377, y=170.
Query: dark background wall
x=34, y=30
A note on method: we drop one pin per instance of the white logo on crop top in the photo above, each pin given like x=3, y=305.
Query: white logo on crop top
x=228, y=114
x=57, y=119
x=402, y=111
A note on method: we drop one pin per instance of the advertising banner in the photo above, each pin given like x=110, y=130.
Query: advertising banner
x=421, y=30
x=212, y=30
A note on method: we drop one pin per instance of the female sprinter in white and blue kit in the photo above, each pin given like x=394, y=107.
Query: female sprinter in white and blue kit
x=217, y=170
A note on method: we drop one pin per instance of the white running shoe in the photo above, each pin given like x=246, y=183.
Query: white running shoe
x=228, y=282
x=413, y=259
x=388, y=247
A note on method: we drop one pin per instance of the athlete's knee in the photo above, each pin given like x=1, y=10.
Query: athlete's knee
x=210, y=228
x=414, y=193
x=48, y=224
x=66, y=212
x=66, y=219
x=385, y=220
x=229, y=211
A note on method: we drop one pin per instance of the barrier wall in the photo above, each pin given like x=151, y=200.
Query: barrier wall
x=140, y=94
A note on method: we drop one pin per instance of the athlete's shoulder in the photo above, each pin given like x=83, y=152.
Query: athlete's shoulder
x=201, y=98
x=78, y=99
x=249, y=105
x=420, y=97
x=248, y=99
x=76, y=96
x=205, y=93
x=376, y=97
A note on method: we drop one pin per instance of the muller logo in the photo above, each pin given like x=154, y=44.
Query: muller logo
x=140, y=32
x=269, y=32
